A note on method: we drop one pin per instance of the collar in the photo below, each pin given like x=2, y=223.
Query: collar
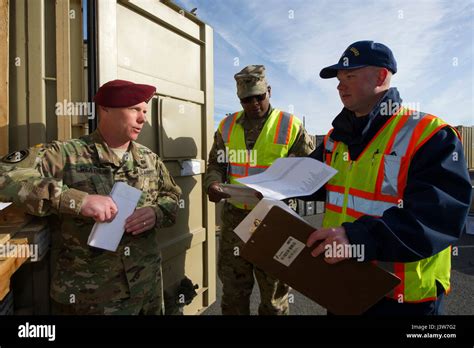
x=352, y=130
x=107, y=156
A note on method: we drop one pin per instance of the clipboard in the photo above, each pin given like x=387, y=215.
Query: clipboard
x=278, y=246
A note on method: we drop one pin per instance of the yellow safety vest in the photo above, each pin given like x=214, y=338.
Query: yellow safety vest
x=375, y=182
x=275, y=140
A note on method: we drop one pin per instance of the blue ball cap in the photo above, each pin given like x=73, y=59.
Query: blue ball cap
x=360, y=54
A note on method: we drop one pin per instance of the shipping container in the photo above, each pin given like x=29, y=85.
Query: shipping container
x=55, y=52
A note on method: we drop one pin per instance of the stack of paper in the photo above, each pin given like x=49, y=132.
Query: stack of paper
x=107, y=235
x=285, y=178
x=290, y=177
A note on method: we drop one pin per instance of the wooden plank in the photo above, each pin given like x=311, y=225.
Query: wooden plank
x=4, y=19
x=63, y=65
x=4, y=237
x=11, y=264
x=14, y=217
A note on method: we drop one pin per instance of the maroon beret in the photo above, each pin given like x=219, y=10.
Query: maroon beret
x=121, y=94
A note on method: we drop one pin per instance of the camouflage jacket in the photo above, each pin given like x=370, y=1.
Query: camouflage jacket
x=55, y=178
x=216, y=171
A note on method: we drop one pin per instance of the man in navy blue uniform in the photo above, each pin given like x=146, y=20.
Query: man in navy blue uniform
x=402, y=189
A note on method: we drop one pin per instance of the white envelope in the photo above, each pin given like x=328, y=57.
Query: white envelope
x=107, y=235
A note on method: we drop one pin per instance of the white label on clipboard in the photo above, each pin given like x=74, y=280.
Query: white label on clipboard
x=289, y=251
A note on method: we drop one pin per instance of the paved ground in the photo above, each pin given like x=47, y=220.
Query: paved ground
x=459, y=301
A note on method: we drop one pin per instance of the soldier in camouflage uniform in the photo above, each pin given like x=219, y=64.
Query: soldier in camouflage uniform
x=258, y=117
x=72, y=180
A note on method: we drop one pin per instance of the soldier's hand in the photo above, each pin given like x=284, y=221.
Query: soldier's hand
x=142, y=219
x=216, y=193
x=100, y=208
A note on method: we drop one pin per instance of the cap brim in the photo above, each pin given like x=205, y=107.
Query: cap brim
x=331, y=71
x=254, y=91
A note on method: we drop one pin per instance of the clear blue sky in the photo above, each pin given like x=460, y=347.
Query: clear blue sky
x=433, y=42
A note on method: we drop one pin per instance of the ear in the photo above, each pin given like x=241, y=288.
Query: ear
x=381, y=76
x=269, y=91
x=101, y=111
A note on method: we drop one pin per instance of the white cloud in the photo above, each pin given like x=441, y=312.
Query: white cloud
x=296, y=39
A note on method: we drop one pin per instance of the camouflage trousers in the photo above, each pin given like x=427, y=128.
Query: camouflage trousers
x=135, y=306
x=237, y=274
x=149, y=304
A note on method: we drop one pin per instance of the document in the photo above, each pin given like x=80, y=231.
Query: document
x=248, y=225
x=240, y=194
x=107, y=235
x=290, y=177
x=4, y=205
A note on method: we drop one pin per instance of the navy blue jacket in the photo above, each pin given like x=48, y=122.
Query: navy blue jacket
x=436, y=199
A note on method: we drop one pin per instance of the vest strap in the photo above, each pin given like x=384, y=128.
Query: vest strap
x=227, y=126
x=283, y=131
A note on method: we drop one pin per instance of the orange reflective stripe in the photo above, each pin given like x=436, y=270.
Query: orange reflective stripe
x=431, y=135
x=335, y=188
x=457, y=133
x=363, y=194
x=386, y=198
x=227, y=127
x=400, y=288
x=419, y=129
x=334, y=208
x=357, y=214
x=288, y=130
x=275, y=139
x=412, y=148
x=327, y=155
x=283, y=129
x=373, y=196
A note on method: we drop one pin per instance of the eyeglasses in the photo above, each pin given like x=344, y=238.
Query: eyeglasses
x=259, y=98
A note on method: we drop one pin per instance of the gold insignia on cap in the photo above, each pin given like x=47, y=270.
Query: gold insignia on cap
x=355, y=51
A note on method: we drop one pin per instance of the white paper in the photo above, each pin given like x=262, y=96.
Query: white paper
x=290, y=177
x=107, y=235
x=4, y=205
x=240, y=194
x=248, y=225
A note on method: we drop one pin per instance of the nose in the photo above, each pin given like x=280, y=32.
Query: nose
x=255, y=102
x=141, y=117
x=340, y=86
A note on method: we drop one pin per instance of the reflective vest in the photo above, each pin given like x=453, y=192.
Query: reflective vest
x=375, y=182
x=274, y=141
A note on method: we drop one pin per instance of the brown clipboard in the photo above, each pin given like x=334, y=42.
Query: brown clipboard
x=345, y=288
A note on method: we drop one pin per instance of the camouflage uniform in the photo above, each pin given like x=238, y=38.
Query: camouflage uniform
x=236, y=274
x=54, y=179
